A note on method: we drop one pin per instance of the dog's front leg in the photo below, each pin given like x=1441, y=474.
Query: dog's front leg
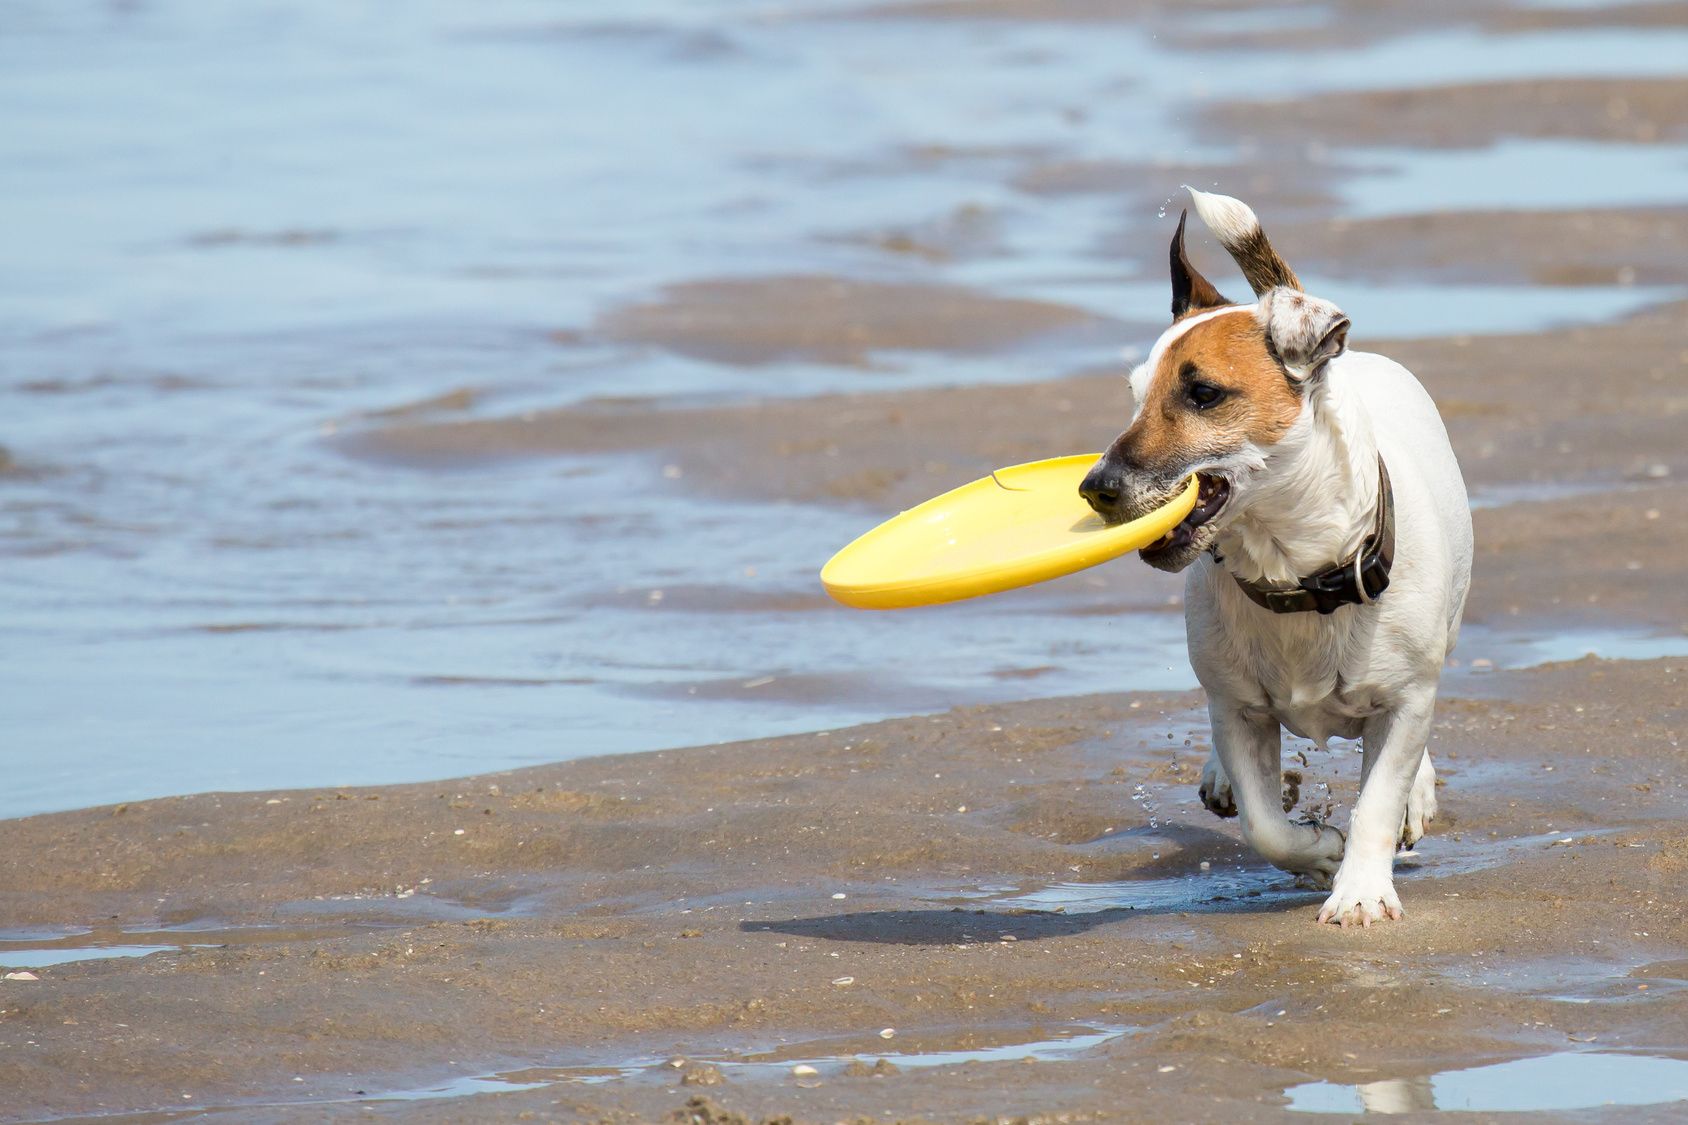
x=1364, y=891
x=1251, y=752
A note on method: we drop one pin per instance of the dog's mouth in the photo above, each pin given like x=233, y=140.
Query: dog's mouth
x=1210, y=499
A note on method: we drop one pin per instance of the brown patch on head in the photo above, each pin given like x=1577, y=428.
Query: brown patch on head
x=1255, y=402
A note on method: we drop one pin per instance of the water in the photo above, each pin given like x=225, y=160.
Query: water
x=16, y=958
x=237, y=234
x=46, y=948
x=1532, y=646
x=1568, y=1080
x=770, y=1066
x=1232, y=887
x=1517, y=175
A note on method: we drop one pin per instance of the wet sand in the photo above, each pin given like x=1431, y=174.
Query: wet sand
x=1642, y=111
x=754, y=321
x=548, y=923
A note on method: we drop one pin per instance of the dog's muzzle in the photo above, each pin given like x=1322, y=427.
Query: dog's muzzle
x=1101, y=488
x=1118, y=493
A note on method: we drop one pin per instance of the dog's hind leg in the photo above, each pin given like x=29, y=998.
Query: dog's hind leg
x=1421, y=804
x=1364, y=891
x=1250, y=753
x=1215, y=790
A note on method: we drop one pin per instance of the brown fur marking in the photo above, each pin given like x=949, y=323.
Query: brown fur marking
x=1230, y=352
x=1261, y=264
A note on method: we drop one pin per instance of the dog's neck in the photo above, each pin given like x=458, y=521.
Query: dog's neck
x=1315, y=501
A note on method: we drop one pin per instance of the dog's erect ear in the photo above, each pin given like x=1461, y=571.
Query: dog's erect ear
x=1190, y=290
x=1305, y=333
x=1237, y=228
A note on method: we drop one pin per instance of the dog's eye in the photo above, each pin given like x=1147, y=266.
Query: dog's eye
x=1203, y=395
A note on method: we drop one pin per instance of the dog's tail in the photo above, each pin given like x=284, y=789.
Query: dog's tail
x=1237, y=227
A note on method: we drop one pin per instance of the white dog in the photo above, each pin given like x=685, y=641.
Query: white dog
x=1328, y=555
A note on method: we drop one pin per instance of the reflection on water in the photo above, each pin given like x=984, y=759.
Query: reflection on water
x=233, y=231
x=1569, y=1080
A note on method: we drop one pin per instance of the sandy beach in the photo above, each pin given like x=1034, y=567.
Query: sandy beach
x=1003, y=911
x=984, y=879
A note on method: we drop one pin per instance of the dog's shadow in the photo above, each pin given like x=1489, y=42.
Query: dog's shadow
x=1174, y=886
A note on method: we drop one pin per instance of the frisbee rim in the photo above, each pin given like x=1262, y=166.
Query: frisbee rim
x=991, y=578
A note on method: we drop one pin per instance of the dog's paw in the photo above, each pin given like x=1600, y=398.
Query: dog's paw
x=1421, y=805
x=1318, y=864
x=1215, y=789
x=1360, y=900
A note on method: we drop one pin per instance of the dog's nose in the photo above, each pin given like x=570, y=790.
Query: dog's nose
x=1101, y=489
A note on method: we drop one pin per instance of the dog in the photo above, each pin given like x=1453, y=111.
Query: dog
x=1326, y=561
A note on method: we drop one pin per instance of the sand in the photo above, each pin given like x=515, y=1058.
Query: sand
x=794, y=897
x=975, y=881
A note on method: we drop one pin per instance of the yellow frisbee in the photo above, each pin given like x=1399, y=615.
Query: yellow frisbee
x=1020, y=525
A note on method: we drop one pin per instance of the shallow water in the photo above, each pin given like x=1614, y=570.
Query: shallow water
x=1569, y=1080
x=1517, y=175
x=1532, y=646
x=44, y=948
x=15, y=957
x=1230, y=887
x=771, y=1065
x=236, y=232
x=768, y=1066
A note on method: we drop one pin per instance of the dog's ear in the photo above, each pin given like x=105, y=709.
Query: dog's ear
x=1304, y=333
x=1190, y=290
x=1237, y=228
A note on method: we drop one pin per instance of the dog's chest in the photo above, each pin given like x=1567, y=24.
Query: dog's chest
x=1305, y=678
x=1334, y=717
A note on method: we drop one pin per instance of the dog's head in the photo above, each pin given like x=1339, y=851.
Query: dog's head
x=1224, y=390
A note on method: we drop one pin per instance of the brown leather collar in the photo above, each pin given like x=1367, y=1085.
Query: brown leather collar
x=1356, y=580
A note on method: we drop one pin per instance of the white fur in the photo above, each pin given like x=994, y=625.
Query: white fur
x=1230, y=220
x=1367, y=672
x=1145, y=371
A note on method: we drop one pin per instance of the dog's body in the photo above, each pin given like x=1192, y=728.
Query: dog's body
x=1289, y=433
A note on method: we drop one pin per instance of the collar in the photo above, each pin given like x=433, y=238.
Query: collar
x=1356, y=580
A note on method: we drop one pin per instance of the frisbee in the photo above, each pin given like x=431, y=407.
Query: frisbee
x=1020, y=525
